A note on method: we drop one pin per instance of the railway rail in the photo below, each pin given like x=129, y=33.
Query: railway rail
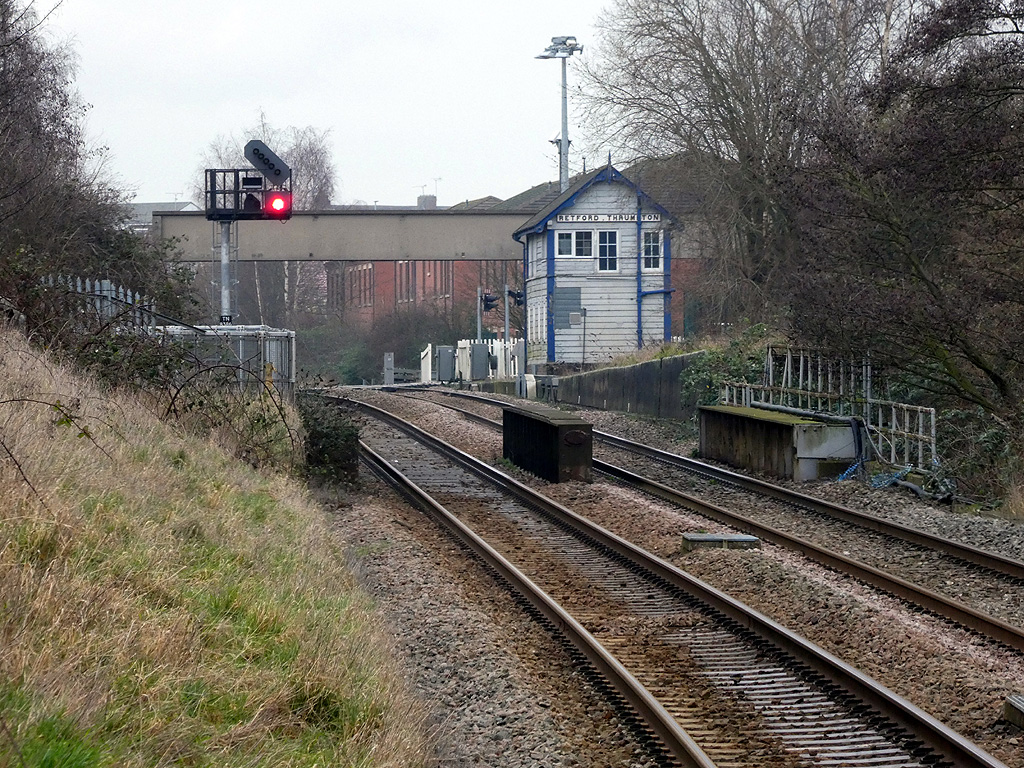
x=663, y=624
x=991, y=579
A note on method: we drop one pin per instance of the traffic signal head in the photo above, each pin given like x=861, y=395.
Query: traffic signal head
x=490, y=301
x=277, y=204
x=516, y=296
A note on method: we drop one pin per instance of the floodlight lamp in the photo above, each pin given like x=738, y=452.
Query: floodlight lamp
x=562, y=47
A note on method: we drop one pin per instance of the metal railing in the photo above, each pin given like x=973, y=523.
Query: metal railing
x=103, y=301
x=804, y=380
x=259, y=353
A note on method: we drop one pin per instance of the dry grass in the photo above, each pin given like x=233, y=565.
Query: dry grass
x=646, y=354
x=164, y=604
x=1013, y=504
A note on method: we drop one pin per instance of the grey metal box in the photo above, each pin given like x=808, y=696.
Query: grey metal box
x=479, y=362
x=446, y=363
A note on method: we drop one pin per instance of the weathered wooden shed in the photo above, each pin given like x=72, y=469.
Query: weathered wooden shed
x=597, y=271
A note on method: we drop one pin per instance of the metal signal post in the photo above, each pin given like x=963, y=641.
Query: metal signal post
x=234, y=194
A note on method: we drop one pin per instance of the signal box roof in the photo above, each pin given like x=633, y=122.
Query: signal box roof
x=581, y=183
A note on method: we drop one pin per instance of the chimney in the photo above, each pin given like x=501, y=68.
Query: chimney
x=426, y=202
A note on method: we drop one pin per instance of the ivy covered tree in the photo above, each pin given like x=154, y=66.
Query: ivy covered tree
x=912, y=215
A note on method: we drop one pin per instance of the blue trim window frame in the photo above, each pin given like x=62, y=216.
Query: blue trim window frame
x=608, y=251
x=652, y=250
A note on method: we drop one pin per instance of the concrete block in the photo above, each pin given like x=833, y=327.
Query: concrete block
x=773, y=442
x=1013, y=710
x=692, y=541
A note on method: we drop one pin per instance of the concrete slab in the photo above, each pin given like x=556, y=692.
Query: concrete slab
x=1013, y=710
x=773, y=442
x=692, y=541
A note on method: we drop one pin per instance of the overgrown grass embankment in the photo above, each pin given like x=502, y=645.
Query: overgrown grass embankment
x=164, y=604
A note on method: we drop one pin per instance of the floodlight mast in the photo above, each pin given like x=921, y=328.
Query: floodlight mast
x=563, y=47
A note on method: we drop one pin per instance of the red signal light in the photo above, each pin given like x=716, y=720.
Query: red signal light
x=278, y=205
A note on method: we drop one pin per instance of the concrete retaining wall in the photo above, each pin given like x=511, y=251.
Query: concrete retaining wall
x=650, y=388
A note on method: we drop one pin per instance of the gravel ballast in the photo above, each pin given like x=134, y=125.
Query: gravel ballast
x=493, y=709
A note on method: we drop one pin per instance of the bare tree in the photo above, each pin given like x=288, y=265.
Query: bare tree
x=57, y=215
x=306, y=150
x=734, y=87
x=40, y=137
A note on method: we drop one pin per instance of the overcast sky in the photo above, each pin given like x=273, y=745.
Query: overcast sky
x=417, y=95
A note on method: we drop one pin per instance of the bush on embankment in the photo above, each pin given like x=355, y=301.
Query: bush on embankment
x=162, y=603
x=331, y=440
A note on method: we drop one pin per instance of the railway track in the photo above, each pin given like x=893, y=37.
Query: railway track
x=977, y=589
x=682, y=643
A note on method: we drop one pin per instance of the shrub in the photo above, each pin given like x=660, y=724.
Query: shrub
x=741, y=360
x=331, y=440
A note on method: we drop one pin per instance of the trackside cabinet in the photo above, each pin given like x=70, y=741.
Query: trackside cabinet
x=550, y=443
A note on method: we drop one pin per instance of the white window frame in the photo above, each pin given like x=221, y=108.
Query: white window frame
x=603, y=248
x=661, y=250
x=405, y=281
x=573, y=238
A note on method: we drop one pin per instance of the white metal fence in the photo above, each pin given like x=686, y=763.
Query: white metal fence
x=803, y=380
x=104, y=301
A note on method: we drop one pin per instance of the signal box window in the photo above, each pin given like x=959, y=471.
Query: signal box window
x=652, y=250
x=584, y=244
x=578, y=244
x=608, y=251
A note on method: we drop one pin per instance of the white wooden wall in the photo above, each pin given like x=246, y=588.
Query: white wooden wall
x=609, y=298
